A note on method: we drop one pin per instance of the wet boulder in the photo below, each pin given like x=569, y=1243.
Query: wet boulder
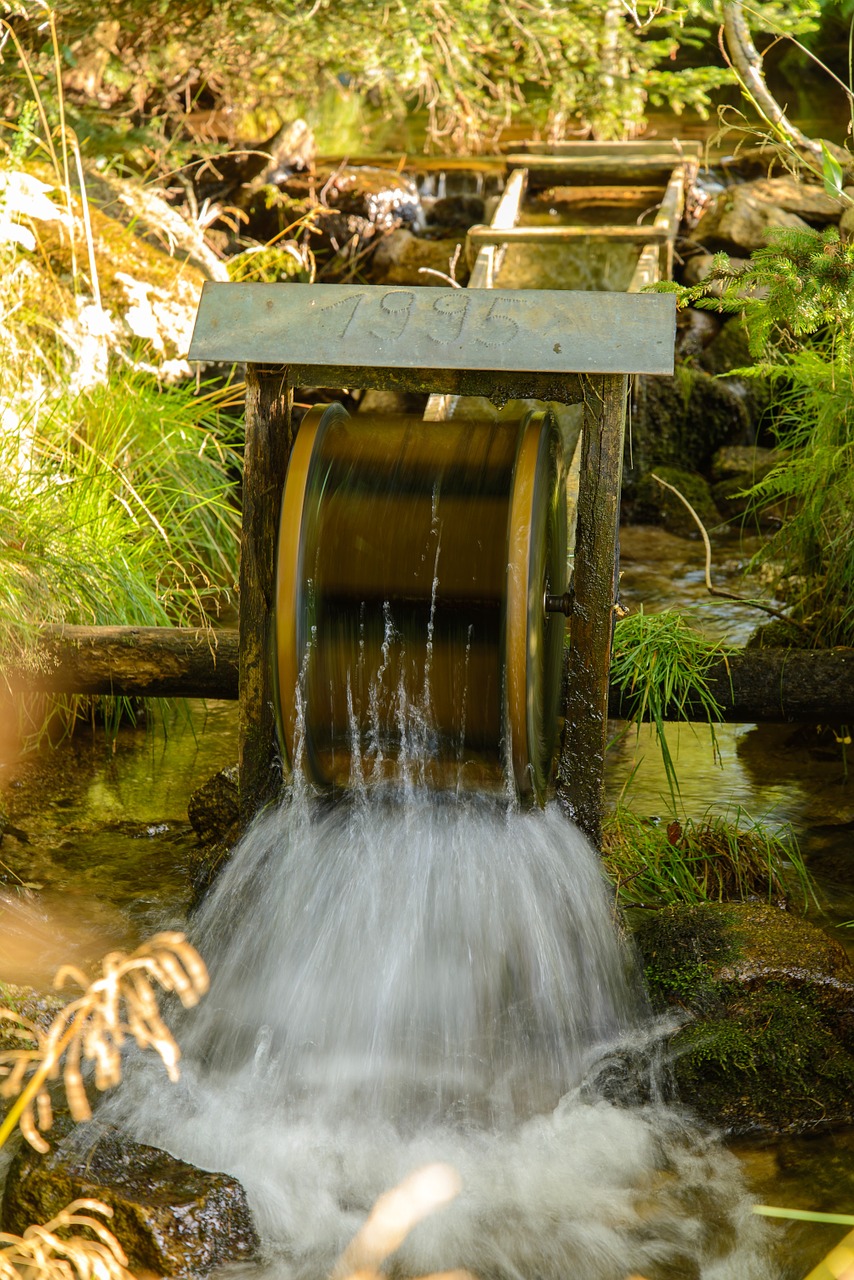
x=214, y=813
x=213, y=808
x=457, y=212
x=382, y=197
x=740, y=218
x=405, y=259
x=808, y=200
x=654, y=504
x=699, y=265
x=170, y=1218
x=766, y=1044
x=735, y=469
x=682, y=422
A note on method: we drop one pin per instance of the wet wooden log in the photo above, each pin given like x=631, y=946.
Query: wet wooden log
x=752, y=686
x=269, y=437
x=775, y=686
x=136, y=662
x=581, y=767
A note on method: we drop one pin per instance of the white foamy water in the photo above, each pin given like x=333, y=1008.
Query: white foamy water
x=396, y=983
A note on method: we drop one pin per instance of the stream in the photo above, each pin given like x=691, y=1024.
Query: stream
x=109, y=848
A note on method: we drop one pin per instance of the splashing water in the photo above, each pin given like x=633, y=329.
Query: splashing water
x=400, y=981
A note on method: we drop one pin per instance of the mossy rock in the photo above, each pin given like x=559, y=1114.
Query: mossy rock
x=170, y=1218
x=654, y=504
x=682, y=422
x=780, y=634
x=768, y=1046
x=730, y=350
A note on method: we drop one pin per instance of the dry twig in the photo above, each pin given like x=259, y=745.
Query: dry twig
x=710, y=587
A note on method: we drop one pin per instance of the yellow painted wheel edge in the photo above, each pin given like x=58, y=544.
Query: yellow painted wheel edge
x=288, y=563
x=518, y=585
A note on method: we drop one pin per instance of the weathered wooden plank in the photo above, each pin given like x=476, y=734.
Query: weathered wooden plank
x=486, y=266
x=611, y=162
x=581, y=767
x=630, y=233
x=672, y=148
x=656, y=258
x=350, y=327
x=269, y=405
x=774, y=686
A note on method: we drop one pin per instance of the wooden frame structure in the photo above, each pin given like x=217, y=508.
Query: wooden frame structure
x=546, y=345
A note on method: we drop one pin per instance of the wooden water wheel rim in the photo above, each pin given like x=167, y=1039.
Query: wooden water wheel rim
x=519, y=623
x=289, y=560
x=525, y=645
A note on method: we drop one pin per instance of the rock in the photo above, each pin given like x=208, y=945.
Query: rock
x=736, y=469
x=153, y=220
x=401, y=256
x=768, y=1043
x=327, y=232
x=741, y=219
x=699, y=266
x=171, y=1218
x=235, y=177
x=457, y=211
x=399, y=403
x=292, y=149
x=38, y=1007
x=214, y=813
x=682, y=422
x=780, y=634
x=656, y=505
x=807, y=199
x=214, y=808
x=729, y=350
x=694, y=331
x=145, y=293
x=846, y=223
x=383, y=197
x=746, y=461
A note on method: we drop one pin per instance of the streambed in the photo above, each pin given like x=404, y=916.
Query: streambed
x=110, y=846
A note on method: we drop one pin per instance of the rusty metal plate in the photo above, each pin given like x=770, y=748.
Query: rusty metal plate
x=373, y=327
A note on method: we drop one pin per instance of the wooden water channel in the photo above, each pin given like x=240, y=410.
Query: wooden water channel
x=606, y=339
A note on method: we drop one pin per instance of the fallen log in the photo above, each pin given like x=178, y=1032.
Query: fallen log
x=773, y=685
x=752, y=686
x=135, y=662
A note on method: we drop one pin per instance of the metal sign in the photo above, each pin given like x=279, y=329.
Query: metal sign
x=353, y=326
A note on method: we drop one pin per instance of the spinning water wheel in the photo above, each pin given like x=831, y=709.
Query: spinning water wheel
x=416, y=565
x=550, y=346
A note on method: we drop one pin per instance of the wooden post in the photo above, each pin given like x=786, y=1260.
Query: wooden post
x=582, y=755
x=269, y=436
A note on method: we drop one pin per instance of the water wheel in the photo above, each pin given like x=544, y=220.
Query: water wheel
x=412, y=635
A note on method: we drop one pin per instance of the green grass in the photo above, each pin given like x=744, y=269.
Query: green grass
x=660, y=663
x=720, y=858
x=117, y=506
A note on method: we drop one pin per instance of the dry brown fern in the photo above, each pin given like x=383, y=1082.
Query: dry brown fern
x=120, y=1004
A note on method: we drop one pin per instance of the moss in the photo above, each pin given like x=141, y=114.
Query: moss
x=768, y=1047
x=780, y=634
x=771, y=1064
x=682, y=422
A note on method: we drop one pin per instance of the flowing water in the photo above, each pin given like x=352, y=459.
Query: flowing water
x=439, y=978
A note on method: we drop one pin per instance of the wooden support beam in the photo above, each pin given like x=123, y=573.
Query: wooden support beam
x=581, y=767
x=269, y=437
